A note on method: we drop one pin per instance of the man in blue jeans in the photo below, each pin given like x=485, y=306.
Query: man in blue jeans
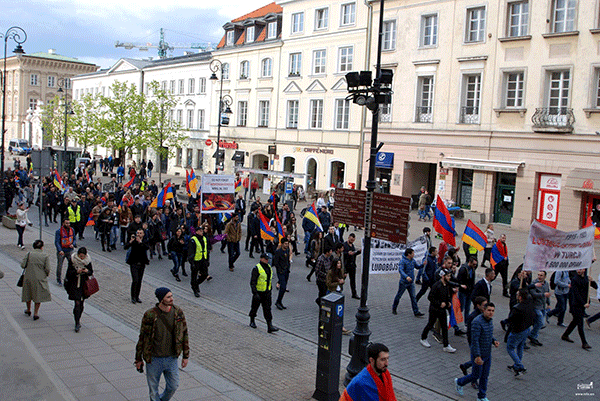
x=482, y=338
x=563, y=286
x=520, y=319
x=540, y=292
x=407, y=277
x=163, y=337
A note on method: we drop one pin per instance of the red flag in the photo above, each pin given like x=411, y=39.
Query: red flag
x=443, y=223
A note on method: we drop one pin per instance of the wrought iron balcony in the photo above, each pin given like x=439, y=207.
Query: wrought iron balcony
x=469, y=115
x=553, y=119
x=423, y=114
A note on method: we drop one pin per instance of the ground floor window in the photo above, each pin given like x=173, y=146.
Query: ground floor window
x=465, y=188
x=337, y=174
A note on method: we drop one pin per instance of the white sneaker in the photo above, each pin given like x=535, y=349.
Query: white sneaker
x=449, y=349
x=425, y=343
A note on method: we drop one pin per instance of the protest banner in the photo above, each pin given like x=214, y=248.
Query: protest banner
x=218, y=193
x=551, y=249
x=386, y=256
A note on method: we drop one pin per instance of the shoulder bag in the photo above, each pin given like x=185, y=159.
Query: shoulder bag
x=20, y=281
x=90, y=287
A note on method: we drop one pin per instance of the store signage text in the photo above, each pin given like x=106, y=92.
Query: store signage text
x=315, y=150
x=228, y=145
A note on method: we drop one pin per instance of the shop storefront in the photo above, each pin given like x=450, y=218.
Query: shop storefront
x=587, y=183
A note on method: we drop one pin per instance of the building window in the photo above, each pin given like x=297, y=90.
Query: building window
x=295, y=64
x=200, y=119
x=475, y=25
x=51, y=81
x=465, y=188
x=263, y=113
x=163, y=85
x=178, y=157
x=597, y=89
x=559, y=88
x=171, y=116
x=190, y=119
x=424, y=112
x=348, y=16
x=292, y=113
x=266, y=69
x=229, y=38
x=346, y=55
x=67, y=83
x=514, y=84
x=33, y=80
x=518, y=18
x=180, y=117
x=272, y=30
x=321, y=18
x=189, y=154
x=181, y=87
x=342, y=113
x=33, y=104
x=471, y=99
x=76, y=93
x=172, y=86
x=224, y=73
x=244, y=69
x=191, y=85
x=316, y=114
x=385, y=113
x=563, y=15
x=250, y=34
x=297, y=22
x=319, y=60
x=389, y=35
x=429, y=30
x=242, y=113
x=199, y=159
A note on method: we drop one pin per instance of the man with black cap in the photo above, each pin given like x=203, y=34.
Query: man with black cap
x=260, y=284
x=163, y=337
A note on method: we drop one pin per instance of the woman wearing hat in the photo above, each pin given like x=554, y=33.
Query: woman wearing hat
x=78, y=272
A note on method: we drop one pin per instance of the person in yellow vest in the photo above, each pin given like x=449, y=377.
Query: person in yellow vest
x=74, y=215
x=260, y=284
x=198, y=249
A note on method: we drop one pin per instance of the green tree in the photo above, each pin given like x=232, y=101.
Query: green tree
x=53, y=121
x=83, y=124
x=163, y=134
x=121, y=122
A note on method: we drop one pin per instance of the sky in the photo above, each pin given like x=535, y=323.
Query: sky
x=89, y=29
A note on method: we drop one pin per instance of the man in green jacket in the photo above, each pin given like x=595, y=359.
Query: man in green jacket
x=163, y=337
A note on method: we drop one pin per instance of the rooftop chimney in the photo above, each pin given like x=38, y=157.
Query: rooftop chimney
x=51, y=51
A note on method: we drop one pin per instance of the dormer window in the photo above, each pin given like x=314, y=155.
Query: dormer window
x=229, y=38
x=250, y=34
x=272, y=30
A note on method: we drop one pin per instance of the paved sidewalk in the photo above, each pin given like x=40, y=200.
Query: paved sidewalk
x=47, y=360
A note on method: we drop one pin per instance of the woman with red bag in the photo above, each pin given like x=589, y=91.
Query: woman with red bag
x=78, y=272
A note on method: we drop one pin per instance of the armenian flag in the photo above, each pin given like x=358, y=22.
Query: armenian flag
x=224, y=217
x=367, y=385
x=130, y=182
x=272, y=197
x=279, y=227
x=596, y=229
x=497, y=255
x=90, y=221
x=58, y=181
x=163, y=195
x=443, y=223
x=194, y=184
x=312, y=215
x=87, y=177
x=474, y=236
x=238, y=185
x=187, y=183
x=265, y=230
x=456, y=315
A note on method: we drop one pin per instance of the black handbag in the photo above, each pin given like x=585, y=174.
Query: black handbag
x=20, y=281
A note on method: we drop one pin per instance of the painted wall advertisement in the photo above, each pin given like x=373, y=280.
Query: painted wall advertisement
x=218, y=193
x=386, y=256
x=551, y=249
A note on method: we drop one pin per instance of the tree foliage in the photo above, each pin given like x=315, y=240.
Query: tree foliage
x=83, y=124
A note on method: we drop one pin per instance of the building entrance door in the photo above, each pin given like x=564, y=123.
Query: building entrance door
x=505, y=197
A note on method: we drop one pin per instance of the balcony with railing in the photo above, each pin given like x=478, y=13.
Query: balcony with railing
x=423, y=114
x=469, y=115
x=553, y=119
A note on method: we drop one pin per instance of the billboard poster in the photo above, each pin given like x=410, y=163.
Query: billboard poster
x=218, y=193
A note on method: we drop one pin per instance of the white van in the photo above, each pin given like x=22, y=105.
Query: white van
x=19, y=147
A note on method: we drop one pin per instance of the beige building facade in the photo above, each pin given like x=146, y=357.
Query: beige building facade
x=496, y=107
x=34, y=79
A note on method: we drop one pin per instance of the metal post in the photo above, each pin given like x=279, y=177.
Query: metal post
x=361, y=332
x=219, y=123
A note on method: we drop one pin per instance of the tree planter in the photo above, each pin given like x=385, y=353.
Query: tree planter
x=9, y=222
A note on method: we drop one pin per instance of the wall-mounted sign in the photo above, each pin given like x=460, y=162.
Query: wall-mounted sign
x=384, y=160
x=272, y=149
x=208, y=142
x=228, y=145
x=314, y=150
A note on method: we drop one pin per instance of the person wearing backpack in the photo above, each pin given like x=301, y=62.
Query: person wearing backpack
x=561, y=284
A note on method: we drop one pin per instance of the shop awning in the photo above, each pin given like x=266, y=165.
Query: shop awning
x=581, y=179
x=482, y=164
x=268, y=172
x=238, y=156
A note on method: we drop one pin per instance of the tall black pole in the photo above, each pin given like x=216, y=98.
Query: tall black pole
x=362, y=333
x=65, y=151
x=19, y=36
x=219, y=122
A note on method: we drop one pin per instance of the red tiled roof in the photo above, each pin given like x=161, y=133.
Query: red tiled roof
x=261, y=12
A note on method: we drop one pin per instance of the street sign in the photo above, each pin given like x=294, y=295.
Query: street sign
x=349, y=207
x=289, y=187
x=389, y=220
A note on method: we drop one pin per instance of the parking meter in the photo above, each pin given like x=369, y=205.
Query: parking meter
x=331, y=320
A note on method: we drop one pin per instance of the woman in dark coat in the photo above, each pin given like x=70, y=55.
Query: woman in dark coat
x=137, y=259
x=78, y=272
x=105, y=221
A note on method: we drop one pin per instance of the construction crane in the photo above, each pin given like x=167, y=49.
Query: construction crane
x=163, y=46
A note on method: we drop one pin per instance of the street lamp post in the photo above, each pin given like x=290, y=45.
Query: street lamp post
x=63, y=83
x=224, y=103
x=19, y=36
